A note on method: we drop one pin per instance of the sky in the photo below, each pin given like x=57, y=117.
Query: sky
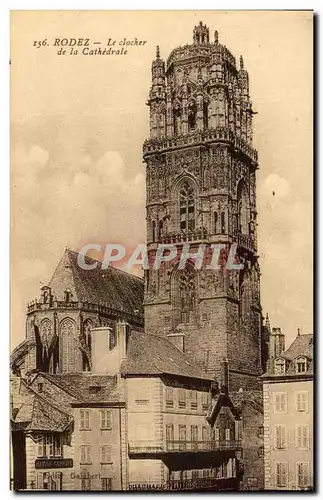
x=78, y=123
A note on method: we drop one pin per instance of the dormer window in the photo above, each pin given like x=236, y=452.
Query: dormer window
x=67, y=295
x=279, y=366
x=301, y=365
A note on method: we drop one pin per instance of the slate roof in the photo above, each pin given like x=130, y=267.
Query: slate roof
x=33, y=412
x=86, y=388
x=154, y=355
x=110, y=287
x=302, y=346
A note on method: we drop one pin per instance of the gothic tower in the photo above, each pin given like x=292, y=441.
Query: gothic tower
x=201, y=189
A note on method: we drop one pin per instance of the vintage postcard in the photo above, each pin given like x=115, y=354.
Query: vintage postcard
x=161, y=251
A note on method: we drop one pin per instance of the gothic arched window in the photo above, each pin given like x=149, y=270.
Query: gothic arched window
x=185, y=297
x=153, y=230
x=177, y=121
x=222, y=222
x=215, y=218
x=160, y=229
x=87, y=339
x=192, y=117
x=67, y=345
x=205, y=115
x=187, y=207
x=243, y=217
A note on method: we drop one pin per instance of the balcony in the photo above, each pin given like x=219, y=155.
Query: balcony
x=195, y=235
x=198, y=484
x=201, y=137
x=202, y=446
x=161, y=448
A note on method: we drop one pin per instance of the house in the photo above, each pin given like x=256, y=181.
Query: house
x=288, y=414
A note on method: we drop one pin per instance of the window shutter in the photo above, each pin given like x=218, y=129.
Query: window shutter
x=82, y=449
x=88, y=454
x=283, y=437
x=81, y=419
x=87, y=419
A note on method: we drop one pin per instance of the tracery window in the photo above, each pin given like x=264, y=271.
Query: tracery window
x=187, y=207
x=243, y=216
x=67, y=345
x=187, y=295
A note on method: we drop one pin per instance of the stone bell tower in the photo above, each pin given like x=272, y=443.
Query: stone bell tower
x=201, y=189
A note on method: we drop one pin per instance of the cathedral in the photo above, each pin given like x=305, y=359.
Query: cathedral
x=169, y=363
x=201, y=189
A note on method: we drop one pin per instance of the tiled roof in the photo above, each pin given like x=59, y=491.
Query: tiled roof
x=302, y=346
x=86, y=387
x=154, y=355
x=110, y=287
x=33, y=412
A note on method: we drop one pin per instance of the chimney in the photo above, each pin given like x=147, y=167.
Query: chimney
x=224, y=380
x=276, y=343
x=104, y=359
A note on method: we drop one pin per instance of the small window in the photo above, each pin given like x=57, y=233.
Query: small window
x=169, y=397
x=49, y=446
x=170, y=433
x=194, y=433
x=222, y=222
x=205, y=433
x=154, y=231
x=301, y=401
x=40, y=387
x=205, y=401
x=105, y=454
x=301, y=365
x=281, y=475
x=302, y=472
x=216, y=434
x=67, y=295
x=280, y=437
x=182, y=398
x=279, y=366
x=193, y=397
x=280, y=402
x=215, y=219
x=106, y=483
x=227, y=434
x=182, y=436
x=301, y=437
x=84, y=420
x=85, y=452
x=106, y=419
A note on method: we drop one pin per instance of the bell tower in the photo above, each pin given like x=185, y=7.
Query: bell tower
x=201, y=189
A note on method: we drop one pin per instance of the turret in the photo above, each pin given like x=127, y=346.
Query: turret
x=157, y=98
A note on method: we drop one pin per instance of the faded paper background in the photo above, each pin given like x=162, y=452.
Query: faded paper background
x=78, y=124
